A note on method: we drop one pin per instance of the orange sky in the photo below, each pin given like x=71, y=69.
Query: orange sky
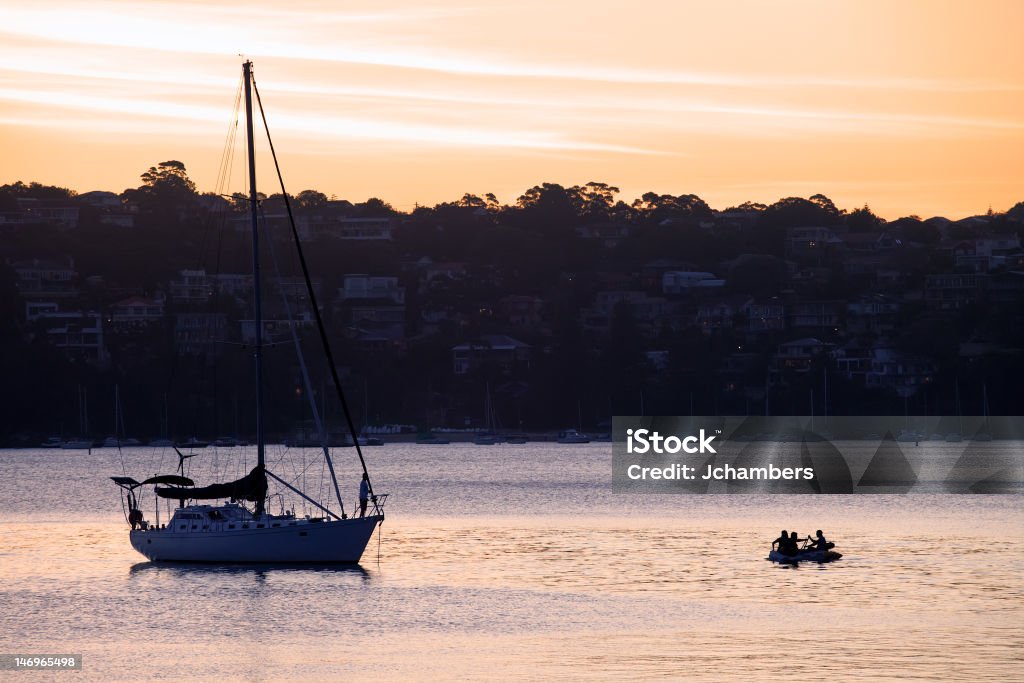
x=912, y=106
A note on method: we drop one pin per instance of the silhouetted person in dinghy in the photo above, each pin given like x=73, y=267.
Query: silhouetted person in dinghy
x=785, y=543
x=820, y=543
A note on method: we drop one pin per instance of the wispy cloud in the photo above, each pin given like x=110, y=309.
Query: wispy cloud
x=276, y=33
x=592, y=107
x=323, y=126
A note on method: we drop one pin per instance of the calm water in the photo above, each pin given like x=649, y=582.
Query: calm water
x=515, y=562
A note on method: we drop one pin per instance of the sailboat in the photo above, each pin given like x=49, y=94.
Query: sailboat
x=958, y=435
x=82, y=442
x=236, y=526
x=118, y=439
x=163, y=441
x=984, y=434
x=489, y=436
x=572, y=435
x=363, y=439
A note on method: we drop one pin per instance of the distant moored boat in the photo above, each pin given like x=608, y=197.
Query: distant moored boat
x=572, y=436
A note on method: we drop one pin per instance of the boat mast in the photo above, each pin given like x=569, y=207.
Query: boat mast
x=257, y=304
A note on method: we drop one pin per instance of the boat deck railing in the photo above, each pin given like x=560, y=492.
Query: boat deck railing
x=377, y=503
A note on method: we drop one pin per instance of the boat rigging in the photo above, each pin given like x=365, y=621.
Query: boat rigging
x=230, y=531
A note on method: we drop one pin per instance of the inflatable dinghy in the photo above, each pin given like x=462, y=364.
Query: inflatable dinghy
x=819, y=556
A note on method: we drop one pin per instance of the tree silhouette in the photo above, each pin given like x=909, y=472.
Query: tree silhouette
x=800, y=212
x=310, y=199
x=748, y=206
x=33, y=190
x=825, y=203
x=657, y=208
x=863, y=220
x=596, y=200
x=166, y=191
x=374, y=208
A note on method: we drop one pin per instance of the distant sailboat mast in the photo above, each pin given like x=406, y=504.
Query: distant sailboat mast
x=984, y=403
x=959, y=416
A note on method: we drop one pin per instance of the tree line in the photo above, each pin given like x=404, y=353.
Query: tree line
x=529, y=247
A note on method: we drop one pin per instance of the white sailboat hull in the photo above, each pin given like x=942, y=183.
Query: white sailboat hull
x=337, y=541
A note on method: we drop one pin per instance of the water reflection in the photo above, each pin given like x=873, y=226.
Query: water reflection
x=260, y=571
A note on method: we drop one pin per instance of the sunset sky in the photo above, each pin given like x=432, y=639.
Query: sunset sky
x=915, y=106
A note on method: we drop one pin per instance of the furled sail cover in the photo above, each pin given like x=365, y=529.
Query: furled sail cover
x=251, y=487
x=174, y=479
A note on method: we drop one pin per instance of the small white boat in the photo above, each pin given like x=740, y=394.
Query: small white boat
x=162, y=443
x=76, y=444
x=572, y=436
x=954, y=437
x=52, y=442
x=819, y=556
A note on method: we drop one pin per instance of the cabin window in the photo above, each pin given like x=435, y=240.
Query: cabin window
x=302, y=533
